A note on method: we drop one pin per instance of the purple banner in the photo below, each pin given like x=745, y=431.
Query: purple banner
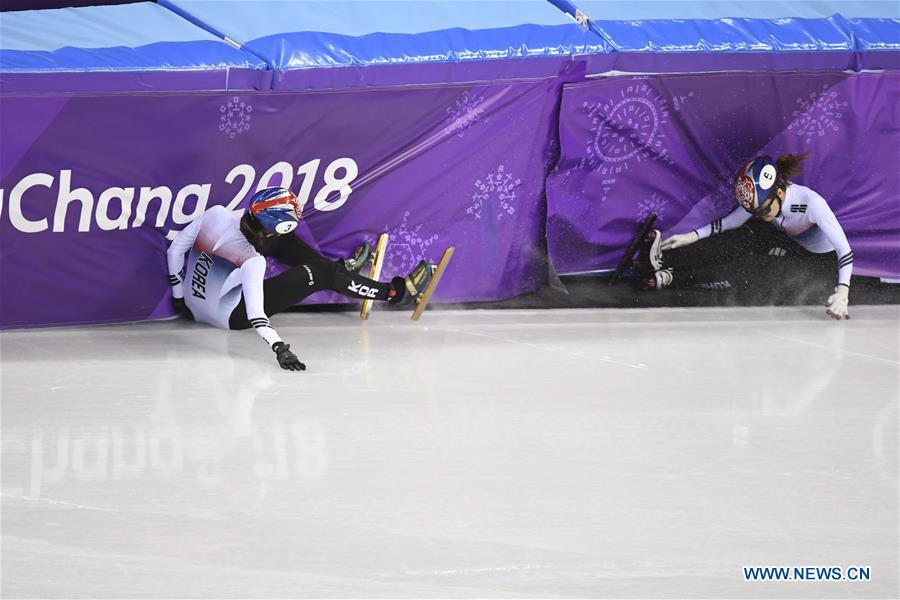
x=670, y=145
x=91, y=184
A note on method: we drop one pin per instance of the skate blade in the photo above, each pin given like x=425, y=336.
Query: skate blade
x=632, y=248
x=422, y=301
x=374, y=272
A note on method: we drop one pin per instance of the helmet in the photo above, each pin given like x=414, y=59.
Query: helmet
x=276, y=210
x=754, y=183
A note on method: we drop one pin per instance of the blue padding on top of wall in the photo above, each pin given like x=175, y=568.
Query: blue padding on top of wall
x=294, y=35
x=247, y=20
x=726, y=35
x=875, y=34
x=646, y=10
x=735, y=27
x=132, y=37
x=312, y=49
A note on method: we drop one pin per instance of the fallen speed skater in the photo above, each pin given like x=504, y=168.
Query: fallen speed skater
x=779, y=227
x=224, y=283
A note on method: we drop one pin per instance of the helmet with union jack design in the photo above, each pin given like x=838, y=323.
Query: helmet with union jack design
x=755, y=183
x=275, y=209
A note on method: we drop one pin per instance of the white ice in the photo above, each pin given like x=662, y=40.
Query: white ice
x=557, y=453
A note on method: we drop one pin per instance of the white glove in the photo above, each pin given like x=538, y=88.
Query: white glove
x=679, y=240
x=837, y=303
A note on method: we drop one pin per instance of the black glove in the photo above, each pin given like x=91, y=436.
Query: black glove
x=287, y=359
x=182, y=309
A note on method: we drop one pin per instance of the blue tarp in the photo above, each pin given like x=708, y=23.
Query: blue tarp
x=354, y=43
x=240, y=44
x=106, y=40
x=452, y=40
x=718, y=35
x=644, y=10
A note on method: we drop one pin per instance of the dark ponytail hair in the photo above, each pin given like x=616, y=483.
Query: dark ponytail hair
x=253, y=232
x=788, y=167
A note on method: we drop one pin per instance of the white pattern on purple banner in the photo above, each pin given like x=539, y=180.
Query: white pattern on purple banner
x=627, y=129
x=679, y=101
x=624, y=131
x=235, y=117
x=496, y=194
x=818, y=115
x=406, y=247
x=463, y=114
x=652, y=205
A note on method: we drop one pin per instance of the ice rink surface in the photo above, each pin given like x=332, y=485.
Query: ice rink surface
x=556, y=453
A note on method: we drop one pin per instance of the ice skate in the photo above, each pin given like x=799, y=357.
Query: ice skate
x=417, y=281
x=418, y=286
x=437, y=271
x=659, y=280
x=375, y=271
x=650, y=258
x=626, y=260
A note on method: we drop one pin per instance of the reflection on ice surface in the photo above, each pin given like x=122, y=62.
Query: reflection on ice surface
x=475, y=454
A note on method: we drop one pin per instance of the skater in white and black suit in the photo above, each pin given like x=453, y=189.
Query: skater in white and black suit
x=224, y=283
x=794, y=232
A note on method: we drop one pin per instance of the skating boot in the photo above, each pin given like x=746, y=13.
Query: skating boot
x=360, y=257
x=650, y=259
x=409, y=287
x=659, y=280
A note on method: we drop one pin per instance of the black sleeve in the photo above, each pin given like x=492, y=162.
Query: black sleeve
x=292, y=251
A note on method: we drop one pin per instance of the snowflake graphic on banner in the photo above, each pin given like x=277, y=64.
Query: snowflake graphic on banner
x=235, y=117
x=406, y=247
x=495, y=193
x=818, y=114
x=463, y=114
x=678, y=102
x=653, y=204
x=625, y=130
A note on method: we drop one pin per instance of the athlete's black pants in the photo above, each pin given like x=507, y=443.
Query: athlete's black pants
x=310, y=272
x=755, y=254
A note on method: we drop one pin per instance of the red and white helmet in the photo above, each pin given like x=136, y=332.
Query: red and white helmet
x=755, y=182
x=276, y=210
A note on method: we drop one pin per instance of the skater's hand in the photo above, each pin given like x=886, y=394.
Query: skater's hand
x=287, y=359
x=182, y=309
x=838, y=303
x=679, y=240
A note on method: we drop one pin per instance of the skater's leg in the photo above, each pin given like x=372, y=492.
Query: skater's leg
x=354, y=285
x=774, y=265
x=716, y=250
x=730, y=259
x=293, y=251
x=707, y=263
x=289, y=288
x=295, y=284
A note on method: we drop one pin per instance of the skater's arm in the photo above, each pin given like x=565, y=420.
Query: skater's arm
x=735, y=219
x=253, y=273
x=821, y=214
x=738, y=217
x=183, y=242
